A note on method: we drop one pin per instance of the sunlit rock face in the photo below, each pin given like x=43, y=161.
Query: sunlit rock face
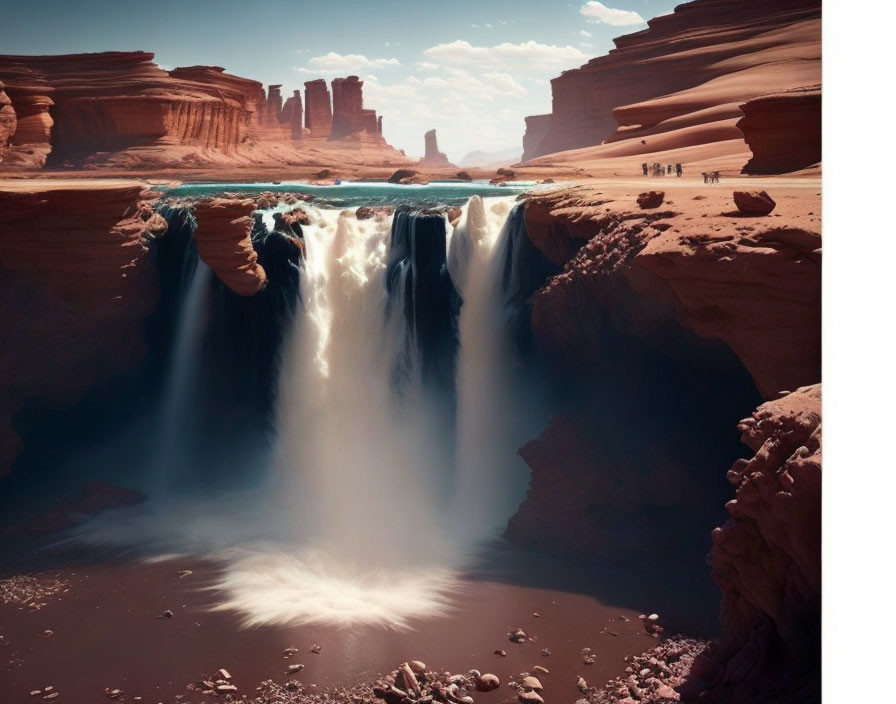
x=318, y=112
x=783, y=130
x=80, y=104
x=680, y=82
x=7, y=122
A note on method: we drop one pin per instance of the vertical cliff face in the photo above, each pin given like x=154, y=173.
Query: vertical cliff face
x=77, y=105
x=318, y=113
x=349, y=115
x=767, y=560
x=223, y=238
x=680, y=82
x=120, y=109
x=76, y=284
x=783, y=131
x=293, y=115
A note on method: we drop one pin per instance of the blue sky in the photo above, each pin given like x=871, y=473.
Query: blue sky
x=471, y=69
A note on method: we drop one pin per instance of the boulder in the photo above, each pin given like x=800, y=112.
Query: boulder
x=754, y=202
x=651, y=199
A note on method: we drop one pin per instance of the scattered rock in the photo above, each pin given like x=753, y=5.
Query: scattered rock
x=417, y=666
x=754, y=202
x=315, y=649
x=518, y=636
x=651, y=199
x=502, y=653
x=540, y=669
x=402, y=174
x=532, y=683
x=167, y=613
x=223, y=674
x=295, y=667
x=545, y=653
x=364, y=213
x=530, y=697
x=536, y=615
x=487, y=682
x=113, y=693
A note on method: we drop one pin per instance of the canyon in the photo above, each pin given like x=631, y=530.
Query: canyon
x=119, y=110
x=677, y=89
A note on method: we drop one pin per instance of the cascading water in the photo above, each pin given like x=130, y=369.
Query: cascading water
x=398, y=417
x=179, y=398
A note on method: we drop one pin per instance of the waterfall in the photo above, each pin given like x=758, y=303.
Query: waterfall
x=402, y=400
x=179, y=407
x=497, y=409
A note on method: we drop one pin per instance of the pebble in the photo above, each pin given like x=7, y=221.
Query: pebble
x=315, y=649
x=536, y=615
x=581, y=684
x=487, y=682
x=417, y=666
x=298, y=667
x=502, y=653
x=223, y=674
x=588, y=660
x=517, y=636
x=167, y=613
x=532, y=683
x=545, y=653
x=540, y=669
x=531, y=698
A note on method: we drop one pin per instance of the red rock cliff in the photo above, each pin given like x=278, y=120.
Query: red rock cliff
x=680, y=82
x=7, y=122
x=783, y=130
x=767, y=560
x=75, y=286
x=223, y=229
x=82, y=104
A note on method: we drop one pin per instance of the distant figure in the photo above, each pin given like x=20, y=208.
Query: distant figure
x=678, y=170
x=715, y=176
x=705, y=177
x=644, y=166
x=669, y=168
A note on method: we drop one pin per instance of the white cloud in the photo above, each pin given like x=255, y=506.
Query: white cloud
x=526, y=55
x=598, y=12
x=349, y=62
x=426, y=66
x=587, y=45
x=504, y=83
x=585, y=33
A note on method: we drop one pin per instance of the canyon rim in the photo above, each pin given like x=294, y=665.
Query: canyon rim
x=411, y=354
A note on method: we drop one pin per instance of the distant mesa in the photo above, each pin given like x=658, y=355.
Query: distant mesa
x=120, y=109
x=432, y=157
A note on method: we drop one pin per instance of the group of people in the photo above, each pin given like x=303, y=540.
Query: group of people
x=657, y=169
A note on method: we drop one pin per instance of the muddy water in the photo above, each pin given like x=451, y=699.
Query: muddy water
x=106, y=632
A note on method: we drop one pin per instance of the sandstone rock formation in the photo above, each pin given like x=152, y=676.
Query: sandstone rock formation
x=680, y=82
x=681, y=309
x=223, y=239
x=7, y=122
x=318, y=113
x=651, y=199
x=783, y=130
x=432, y=157
x=119, y=109
x=767, y=560
x=75, y=286
x=349, y=115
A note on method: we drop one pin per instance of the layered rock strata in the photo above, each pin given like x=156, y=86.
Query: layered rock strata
x=783, y=130
x=223, y=238
x=119, y=109
x=76, y=283
x=680, y=82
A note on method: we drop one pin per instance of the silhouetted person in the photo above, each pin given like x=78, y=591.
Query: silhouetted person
x=705, y=177
x=715, y=176
x=644, y=166
x=678, y=170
